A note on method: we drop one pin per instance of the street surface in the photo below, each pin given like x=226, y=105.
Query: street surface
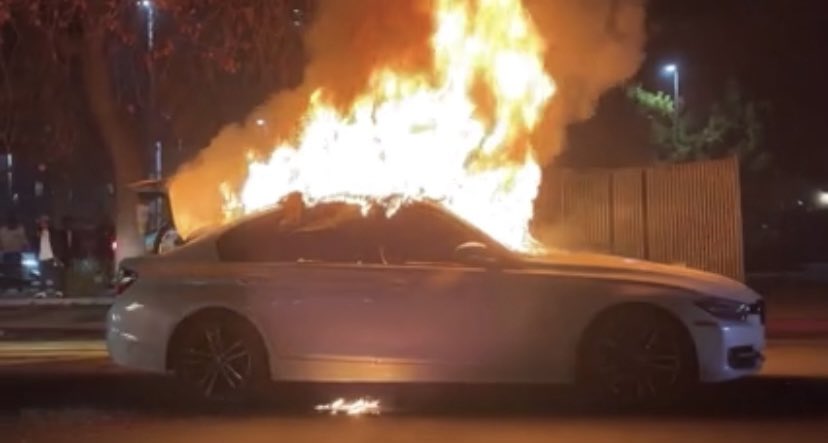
x=68, y=392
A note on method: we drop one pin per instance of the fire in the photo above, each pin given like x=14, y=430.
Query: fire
x=361, y=406
x=456, y=133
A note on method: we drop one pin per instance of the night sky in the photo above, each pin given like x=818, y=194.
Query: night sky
x=775, y=49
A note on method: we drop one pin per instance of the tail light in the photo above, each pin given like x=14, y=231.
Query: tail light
x=124, y=280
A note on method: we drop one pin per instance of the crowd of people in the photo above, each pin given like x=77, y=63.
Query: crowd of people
x=55, y=248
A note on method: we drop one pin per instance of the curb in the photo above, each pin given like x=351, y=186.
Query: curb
x=48, y=302
x=39, y=334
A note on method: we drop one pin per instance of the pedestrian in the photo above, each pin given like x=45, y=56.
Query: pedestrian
x=49, y=251
x=70, y=244
x=105, y=240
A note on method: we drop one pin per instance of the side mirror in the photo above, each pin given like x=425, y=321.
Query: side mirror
x=476, y=254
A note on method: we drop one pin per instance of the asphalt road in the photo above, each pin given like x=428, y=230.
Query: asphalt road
x=67, y=392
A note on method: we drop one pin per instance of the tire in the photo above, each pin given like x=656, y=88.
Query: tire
x=220, y=359
x=637, y=356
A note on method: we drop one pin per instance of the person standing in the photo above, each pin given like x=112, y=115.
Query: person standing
x=69, y=243
x=49, y=252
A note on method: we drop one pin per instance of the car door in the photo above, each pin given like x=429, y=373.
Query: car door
x=460, y=319
x=312, y=282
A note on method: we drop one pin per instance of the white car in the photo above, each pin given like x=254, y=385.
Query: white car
x=327, y=294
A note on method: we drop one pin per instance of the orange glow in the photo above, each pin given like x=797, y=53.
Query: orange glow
x=456, y=133
x=361, y=406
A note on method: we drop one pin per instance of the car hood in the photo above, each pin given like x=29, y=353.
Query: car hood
x=627, y=269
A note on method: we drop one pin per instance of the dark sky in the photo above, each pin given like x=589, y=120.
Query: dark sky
x=777, y=51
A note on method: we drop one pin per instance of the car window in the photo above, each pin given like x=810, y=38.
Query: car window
x=420, y=234
x=325, y=234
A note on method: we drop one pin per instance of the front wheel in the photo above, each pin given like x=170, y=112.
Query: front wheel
x=220, y=359
x=637, y=356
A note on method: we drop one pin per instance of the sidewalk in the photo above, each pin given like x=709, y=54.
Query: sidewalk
x=23, y=317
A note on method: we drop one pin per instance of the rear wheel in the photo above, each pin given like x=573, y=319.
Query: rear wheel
x=637, y=356
x=220, y=358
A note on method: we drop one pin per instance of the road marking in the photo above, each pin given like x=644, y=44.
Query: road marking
x=17, y=354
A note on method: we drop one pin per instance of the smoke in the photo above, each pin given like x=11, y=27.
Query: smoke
x=593, y=45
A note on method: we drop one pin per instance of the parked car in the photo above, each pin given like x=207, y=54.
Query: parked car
x=328, y=294
x=18, y=272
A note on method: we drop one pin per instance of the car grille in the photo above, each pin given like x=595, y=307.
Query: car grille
x=744, y=357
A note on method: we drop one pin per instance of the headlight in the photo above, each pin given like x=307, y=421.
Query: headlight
x=725, y=309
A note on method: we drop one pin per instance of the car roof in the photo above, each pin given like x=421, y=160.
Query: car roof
x=333, y=212
x=329, y=215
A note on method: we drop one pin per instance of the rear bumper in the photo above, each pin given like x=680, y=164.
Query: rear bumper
x=129, y=340
x=127, y=352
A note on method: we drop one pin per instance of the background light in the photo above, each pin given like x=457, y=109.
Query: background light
x=822, y=199
x=671, y=68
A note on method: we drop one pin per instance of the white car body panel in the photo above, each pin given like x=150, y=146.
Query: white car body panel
x=419, y=323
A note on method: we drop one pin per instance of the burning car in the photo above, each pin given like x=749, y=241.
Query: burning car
x=337, y=293
x=408, y=256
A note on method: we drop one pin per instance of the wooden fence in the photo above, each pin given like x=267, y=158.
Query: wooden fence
x=687, y=214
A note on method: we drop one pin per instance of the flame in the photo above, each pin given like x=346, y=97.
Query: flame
x=456, y=133
x=361, y=406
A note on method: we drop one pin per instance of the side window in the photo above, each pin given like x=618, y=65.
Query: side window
x=338, y=242
x=321, y=236
x=418, y=234
x=256, y=240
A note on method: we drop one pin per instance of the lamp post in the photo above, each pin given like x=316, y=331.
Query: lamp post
x=155, y=145
x=150, y=8
x=673, y=70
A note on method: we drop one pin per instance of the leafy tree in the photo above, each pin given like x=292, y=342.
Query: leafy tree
x=67, y=62
x=731, y=126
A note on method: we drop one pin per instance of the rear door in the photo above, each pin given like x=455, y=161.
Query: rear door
x=314, y=281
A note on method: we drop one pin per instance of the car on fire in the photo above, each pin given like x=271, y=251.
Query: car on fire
x=330, y=293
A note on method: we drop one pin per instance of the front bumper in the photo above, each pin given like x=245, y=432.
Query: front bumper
x=729, y=350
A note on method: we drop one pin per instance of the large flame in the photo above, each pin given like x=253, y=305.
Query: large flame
x=456, y=133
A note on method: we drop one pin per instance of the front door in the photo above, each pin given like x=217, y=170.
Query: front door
x=458, y=320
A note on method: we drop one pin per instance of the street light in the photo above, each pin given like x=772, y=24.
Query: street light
x=673, y=69
x=156, y=148
x=150, y=8
x=822, y=199
x=155, y=145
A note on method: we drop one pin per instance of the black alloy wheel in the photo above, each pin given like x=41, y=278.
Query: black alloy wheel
x=638, y=356
x=221, y=359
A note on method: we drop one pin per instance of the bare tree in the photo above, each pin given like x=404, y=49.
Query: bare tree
x=203, y=49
